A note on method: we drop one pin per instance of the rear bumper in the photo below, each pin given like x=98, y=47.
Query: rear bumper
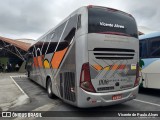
x=87, y=99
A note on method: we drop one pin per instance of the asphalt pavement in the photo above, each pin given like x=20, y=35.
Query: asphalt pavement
x=147, y=100
x=10, y=94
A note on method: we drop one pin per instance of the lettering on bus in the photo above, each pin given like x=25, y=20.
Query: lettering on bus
x=111, y=25
x=103, y=82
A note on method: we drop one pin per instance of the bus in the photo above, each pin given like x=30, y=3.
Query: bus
x=150, y=60
x=89, y=59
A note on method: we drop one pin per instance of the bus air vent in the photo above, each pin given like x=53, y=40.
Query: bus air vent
x=113, y=53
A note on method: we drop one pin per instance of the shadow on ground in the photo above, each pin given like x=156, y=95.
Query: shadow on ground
x=149, y=91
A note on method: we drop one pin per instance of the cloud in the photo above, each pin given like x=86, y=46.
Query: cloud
x=32, y=18
x=146, y=12
x=22, y=17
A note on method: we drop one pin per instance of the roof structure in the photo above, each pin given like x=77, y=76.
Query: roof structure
x=30, y=41
x=16, y=47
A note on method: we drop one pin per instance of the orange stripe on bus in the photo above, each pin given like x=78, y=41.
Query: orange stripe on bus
x=35, y=62
x=40, y=60
x=114, y=67
x=97, y=67
x=57, y=58
x=122, y=67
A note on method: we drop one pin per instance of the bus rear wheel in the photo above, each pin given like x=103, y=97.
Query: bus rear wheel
x=49, y=88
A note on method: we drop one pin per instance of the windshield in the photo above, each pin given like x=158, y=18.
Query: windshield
x=111, y=21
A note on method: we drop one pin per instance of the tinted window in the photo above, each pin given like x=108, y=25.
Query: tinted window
x=69, y=31
x=58, y=32
x=143, y=48
x=154, y=47
x=68, y=34
x=105, y=20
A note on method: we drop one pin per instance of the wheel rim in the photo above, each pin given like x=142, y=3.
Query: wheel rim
x=49, y=88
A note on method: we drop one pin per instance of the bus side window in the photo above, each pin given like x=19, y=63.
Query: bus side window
x=71, y=34
x=52, y=35
x=50, y=39
x=155, y=47
x=68, y=33
x=79, y=22
x=143, y=49
x=74, y=21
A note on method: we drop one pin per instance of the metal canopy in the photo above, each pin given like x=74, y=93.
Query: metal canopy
x=17, y=48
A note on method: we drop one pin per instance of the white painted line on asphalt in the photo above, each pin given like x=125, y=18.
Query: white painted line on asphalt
x=19, y=76
x=19, y=86
x=147, y=102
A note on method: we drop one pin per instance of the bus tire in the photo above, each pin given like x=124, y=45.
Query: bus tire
x=49, y=89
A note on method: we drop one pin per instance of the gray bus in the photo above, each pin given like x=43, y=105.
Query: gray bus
x=90, y=59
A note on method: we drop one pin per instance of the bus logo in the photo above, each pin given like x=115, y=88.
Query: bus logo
x=103, y=82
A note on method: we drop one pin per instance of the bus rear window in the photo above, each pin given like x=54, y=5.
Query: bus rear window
x=109, y=21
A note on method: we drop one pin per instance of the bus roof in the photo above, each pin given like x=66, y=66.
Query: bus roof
x=150, y=35
x=112, y=9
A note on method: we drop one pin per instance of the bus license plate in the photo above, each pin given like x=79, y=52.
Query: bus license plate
x=116, y=97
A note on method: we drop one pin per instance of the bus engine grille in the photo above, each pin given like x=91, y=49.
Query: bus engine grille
x=113, y=53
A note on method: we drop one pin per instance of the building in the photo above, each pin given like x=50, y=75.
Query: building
x=12, y=52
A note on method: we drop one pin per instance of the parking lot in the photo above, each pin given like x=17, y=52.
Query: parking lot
x=147, y=100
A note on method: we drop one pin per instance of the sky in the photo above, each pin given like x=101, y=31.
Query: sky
x=32, y=18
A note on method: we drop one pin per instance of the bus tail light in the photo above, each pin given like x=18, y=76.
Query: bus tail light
x=85, y=78
x=137, y=76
